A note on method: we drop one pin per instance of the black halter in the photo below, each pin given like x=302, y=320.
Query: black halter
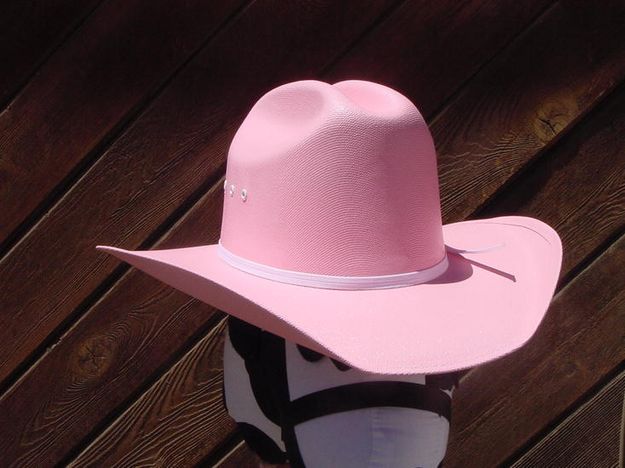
x=265, y=360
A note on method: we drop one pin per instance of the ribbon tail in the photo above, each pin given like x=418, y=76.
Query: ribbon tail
x=479, y=250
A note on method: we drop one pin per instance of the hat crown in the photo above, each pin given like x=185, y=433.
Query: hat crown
x=334, y=180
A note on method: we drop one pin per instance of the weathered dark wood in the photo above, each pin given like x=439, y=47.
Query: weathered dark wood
x=161, y=429
x=192, y=170
x=167, y=155
x=29, y=32
x=588, y=437
x=125, y=51
x=98, y=392
x=106, y=359
x=526, y=99
x=579, y=186
x=579, y=341
x=427, y=50
x=113, y=302
x=171, y=151
x=591, y=160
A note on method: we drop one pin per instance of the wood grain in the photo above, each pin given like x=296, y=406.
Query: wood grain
x=164, y=429
x=427, y=50
x=588, y=437
x=29, y=32
x=580, y=340
x=84, y=272
x=88, y=89
x=176, y=147
x=533, y=129
x=155, y=166
x=135, y=332
x=579, y=186
x=113, y=302
x=591, y=160
x=526, y=99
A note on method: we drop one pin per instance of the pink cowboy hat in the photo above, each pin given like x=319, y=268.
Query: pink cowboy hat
x=332, y=238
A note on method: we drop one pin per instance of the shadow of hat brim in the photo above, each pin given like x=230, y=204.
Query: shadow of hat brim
x=484, y=306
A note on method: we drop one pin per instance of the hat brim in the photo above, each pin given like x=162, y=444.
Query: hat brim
x=486, y=304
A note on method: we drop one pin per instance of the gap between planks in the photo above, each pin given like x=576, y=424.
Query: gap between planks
x=64, y=37
x=64, y=186
x=587, y=403
x=174, y=218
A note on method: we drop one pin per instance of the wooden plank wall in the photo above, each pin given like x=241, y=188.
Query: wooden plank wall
x=115, y=122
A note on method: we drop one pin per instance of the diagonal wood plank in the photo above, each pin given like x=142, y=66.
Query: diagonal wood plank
x=171, y=431
x=588, y=437
x=526, y=99
x=592, y=160
x=580, y=340
x=429, y=52
x=89, y=88
x=105, y=361
x=30, y=32
x=164, y=158
x=453, y=35
x=108, y=308
x=175, y=147
x=90, y=207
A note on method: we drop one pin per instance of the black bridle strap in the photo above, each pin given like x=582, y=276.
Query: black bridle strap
x=369, y=394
